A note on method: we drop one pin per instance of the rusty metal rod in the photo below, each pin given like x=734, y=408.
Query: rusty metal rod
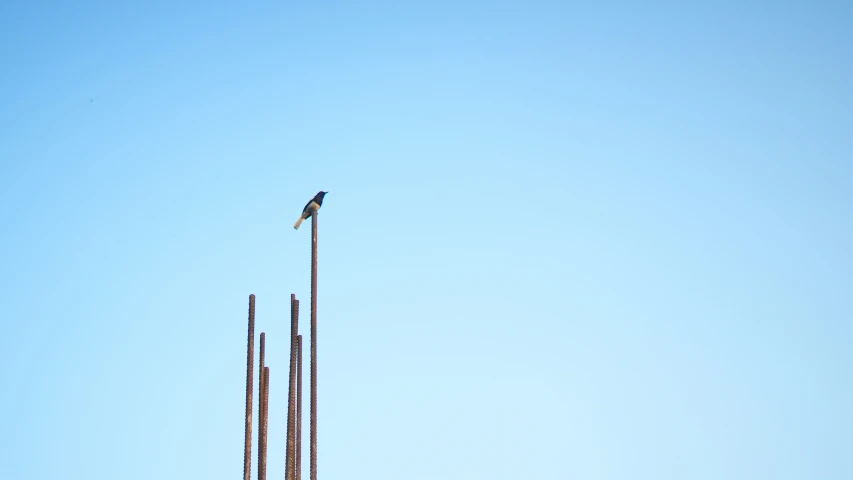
x=294, y=358
x=261, y=396
x=299, y=407
x=250, y=363
x=290, y=463
x=313, y=345
x=263, y=466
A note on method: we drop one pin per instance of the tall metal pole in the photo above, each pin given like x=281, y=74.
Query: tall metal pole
x=290, y=462
x=261, y=396
x=250, y=361
x=298, y=407
x=314, y=345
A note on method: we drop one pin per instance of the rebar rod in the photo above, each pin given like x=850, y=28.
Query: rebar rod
x=298, y=407
x=290, y=462
x=250, y=363
x=313, y=345
x=261, y=396
x=263, y=466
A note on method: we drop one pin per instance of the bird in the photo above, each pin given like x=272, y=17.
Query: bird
x=312, y=206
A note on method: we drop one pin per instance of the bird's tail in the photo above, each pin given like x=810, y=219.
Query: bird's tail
x=298, y=223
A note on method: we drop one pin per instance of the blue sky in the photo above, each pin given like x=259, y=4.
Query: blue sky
x=562, y=240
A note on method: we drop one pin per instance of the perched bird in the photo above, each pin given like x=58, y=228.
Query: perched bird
x=312, y=206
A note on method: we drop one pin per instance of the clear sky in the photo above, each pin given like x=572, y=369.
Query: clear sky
x=561, y=240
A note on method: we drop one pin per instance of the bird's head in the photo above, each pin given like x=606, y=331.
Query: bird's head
x=321, y=195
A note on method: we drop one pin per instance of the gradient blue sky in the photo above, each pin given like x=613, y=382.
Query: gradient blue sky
x=606, y=241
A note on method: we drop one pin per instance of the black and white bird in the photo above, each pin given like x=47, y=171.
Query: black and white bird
x=312, y=206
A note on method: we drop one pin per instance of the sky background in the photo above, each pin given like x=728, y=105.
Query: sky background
x=562, y=240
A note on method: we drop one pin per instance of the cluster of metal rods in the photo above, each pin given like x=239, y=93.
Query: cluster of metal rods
x=293, y=454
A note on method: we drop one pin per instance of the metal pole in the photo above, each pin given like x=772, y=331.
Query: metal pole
x=261, y=396
x=290, y=463
x=299, y=407
x=314, y=345
x=263, y=467
x=250, y=361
